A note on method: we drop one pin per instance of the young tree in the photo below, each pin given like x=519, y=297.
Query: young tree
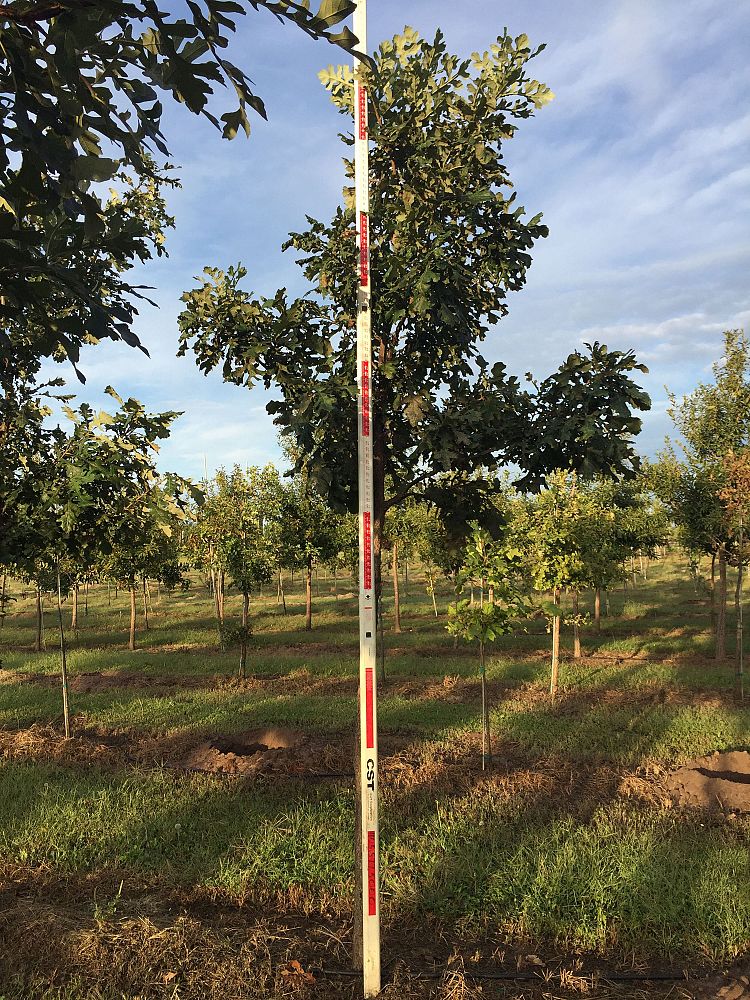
x=497, y=564
x=310, y=532
x=448, y=244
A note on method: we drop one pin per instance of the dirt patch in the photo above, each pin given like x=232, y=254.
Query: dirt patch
x=252, y=752
x=717, y=781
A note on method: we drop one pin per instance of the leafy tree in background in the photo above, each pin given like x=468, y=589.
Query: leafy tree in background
x=310, y=532
x=714, y=423
x=551, y=526
x=736, y=497
x=448, y=243
x=81, y=85
x=94, y=491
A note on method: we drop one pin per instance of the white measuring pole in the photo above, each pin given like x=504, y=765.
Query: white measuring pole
x=368, y=713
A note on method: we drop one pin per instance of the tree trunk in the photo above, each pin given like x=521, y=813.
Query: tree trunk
x=74, y=611
x=222, y=591
x=131, y=640
x=39, y=644
x=598, y=609
x=555, y=647
x=63, y=660
x=739, y=671
x=145, y=605
x=243, y=641
x=485, y=714
x=576, y=629
x=491, y=595
x=308, y=595
x=721, y=616
x=713, y=590
x=431, y=579
x=396, y=595
x=85, y=598
x=2, y=599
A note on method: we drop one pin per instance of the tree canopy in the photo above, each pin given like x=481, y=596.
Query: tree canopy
x=449, y=242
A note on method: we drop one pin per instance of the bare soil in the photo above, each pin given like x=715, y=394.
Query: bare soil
x=717, y=781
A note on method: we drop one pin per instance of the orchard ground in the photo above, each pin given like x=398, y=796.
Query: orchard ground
x=194, y=838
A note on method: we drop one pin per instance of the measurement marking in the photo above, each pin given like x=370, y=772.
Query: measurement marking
x=366, y=398
x=372, y=888
x=364, y=249
x=370, y=727
x=367, y=532
x=362, y=112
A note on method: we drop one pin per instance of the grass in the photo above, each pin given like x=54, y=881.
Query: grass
x=551, y=850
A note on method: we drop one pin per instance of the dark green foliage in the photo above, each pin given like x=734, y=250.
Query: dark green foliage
x=80, y=92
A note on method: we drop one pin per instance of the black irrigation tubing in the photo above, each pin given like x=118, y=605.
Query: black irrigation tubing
x=652, y=977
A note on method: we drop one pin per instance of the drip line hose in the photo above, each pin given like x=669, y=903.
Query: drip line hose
x=625, y=977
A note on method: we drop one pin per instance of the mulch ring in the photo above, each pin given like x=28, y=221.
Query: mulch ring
x=716, y=781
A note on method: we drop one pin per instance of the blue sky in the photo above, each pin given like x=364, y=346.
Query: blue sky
x=640, y=166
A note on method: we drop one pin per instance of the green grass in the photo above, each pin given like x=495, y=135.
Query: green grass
x=564, y=863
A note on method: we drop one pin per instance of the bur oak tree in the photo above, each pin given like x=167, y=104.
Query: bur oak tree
x=449, y=242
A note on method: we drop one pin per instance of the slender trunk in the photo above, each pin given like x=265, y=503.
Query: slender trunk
x=721, y=616
x=74, y=611
x=485, y=715
x=555, y=647
x=131, y=640
x=598, y=609
x=431, y=579
x=3, y=599
x=336, y=581
x=396, y=595
x=145, y=604
x=85, y=598
x=406, y=572
x=713, y=590
x=283, y=595
x=317, y=583
x=606, y=603
x=63, y=659
x=222, y=591
x=491, y=595
x=243, y=641
x=308, y=595
x=576, y=629
x=109, y=595
x=739, y=669
x=39, y=643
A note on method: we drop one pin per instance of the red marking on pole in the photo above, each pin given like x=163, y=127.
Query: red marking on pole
x=367, y=533
x=369, y=706
x=366, y=398
x=364, y=249
x=362, y=112
x=372, y=892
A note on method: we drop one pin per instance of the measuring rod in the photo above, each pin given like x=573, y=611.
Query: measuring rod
x=368, y=712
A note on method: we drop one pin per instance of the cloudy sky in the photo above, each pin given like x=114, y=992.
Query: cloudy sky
x=640, y=166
